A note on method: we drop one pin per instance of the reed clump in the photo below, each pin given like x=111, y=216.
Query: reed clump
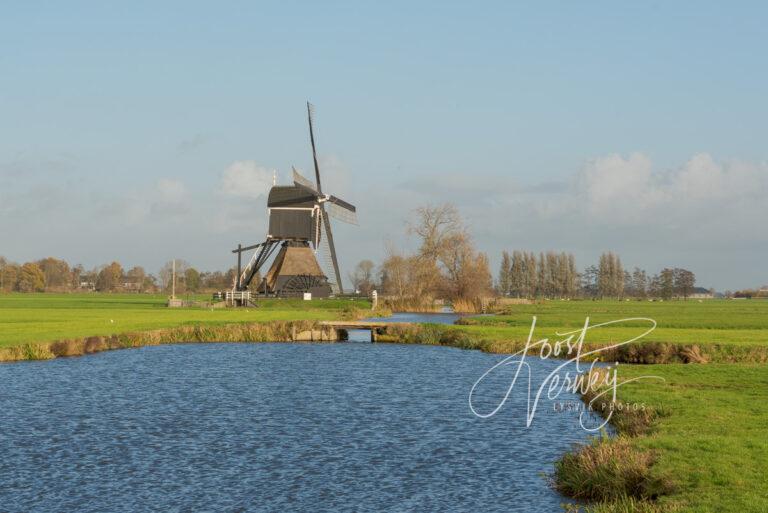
x=353, y=313
x=427, y=334
x=275, y=331
x=469, y=305
x=609, y=470
x=411, y=304
x=432, y=334
x=613, y=473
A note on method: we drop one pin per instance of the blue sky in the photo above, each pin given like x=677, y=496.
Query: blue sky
x=144, y=132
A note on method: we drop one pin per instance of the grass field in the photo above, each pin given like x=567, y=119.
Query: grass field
x=28, y=318
x=712, y=438
x=724, y=330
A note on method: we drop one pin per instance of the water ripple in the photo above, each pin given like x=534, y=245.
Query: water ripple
x=270, y=427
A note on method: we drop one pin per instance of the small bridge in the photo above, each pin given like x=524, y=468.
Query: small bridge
x=376, y=327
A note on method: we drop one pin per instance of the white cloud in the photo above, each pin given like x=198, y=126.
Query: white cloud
x=615, y=186
x=621, y=190
x=245, y=178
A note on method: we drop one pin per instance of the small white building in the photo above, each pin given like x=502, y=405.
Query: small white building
x=701, y=293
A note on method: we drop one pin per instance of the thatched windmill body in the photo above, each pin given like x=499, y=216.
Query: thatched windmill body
x=300, y=231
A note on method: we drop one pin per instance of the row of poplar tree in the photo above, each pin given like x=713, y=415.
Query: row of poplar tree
x=524, y=274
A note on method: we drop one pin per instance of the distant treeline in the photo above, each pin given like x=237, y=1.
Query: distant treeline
x=553, y=275
x=445, y=266
x=54, y=275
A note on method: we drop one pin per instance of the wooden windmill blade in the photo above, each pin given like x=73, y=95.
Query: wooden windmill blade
x=310, y=115
x=341, y=210
x=302, y=181
x=326, y=224
x=326, y=250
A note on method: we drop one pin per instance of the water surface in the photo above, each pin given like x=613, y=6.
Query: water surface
x=272, y=427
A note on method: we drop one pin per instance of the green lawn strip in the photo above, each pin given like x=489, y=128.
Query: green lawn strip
x=712, y=439
x=706, y=314
x=26, y=318
x=725, y=330
x=608, y=334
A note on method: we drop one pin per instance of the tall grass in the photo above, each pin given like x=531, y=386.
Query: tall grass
x=411, y=304
x=274, y=331
x=609, y=470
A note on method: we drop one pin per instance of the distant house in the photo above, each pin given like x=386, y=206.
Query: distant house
x=132, y=283
x=701, y=293
x=86, y=284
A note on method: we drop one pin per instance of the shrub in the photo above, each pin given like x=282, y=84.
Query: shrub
x=609, y=470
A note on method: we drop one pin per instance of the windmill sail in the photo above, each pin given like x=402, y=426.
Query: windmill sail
x=341, y=213
x=299, y=179
x=310, y=115
x=326, y=261
x=337, y=207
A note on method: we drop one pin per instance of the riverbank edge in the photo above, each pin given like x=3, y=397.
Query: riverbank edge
x=296, y=330
x=423, y=333
x=635, y=353
x=264, y=331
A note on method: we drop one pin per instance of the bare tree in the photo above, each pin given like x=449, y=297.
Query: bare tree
x=362, y=277
x=166, y=272
x=435, y=226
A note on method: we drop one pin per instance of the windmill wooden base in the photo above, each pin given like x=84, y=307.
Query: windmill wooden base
x=295, y=271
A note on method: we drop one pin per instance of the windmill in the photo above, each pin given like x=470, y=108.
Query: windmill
x=300, y=226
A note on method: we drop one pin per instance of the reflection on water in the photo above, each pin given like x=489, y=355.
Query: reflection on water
x=272, y=427
x=435, y=318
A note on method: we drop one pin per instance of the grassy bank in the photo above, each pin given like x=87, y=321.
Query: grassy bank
x=646, y=352
x=704, y=448
x=712, y=331
x=44, y=317
x=34, y=326
x=265, y=331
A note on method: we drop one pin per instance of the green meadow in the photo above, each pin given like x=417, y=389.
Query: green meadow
x=710, y=440
x=709, y=322
x=29, y=318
